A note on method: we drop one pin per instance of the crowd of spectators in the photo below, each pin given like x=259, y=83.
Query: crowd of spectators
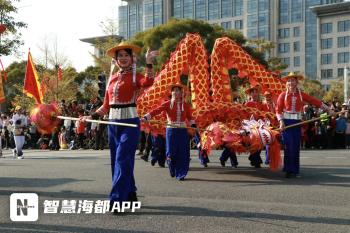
x=326, y=133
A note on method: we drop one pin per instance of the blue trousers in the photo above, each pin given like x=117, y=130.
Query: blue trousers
x=122, y=143
x=227, y=153
x=291, y=140
x=158, y=149
x=178, y=152
x=203, y=157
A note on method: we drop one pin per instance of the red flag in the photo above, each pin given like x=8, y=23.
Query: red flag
x=31, y=82
x=59, y=73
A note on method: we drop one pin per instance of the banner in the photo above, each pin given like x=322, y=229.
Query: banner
x=31, y=82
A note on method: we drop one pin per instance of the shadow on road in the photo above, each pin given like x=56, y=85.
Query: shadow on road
x=310, y=175
x=203, y=212
x=25, y=227
x=35, y=182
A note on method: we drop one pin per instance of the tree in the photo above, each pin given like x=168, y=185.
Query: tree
x=10, y=39
x=264, y=47
x=166, y=37
x=313, y=88
x=335, y=92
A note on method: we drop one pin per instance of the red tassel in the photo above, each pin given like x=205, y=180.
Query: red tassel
x=275, y=155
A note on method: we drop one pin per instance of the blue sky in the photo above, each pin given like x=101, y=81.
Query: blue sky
x=66, y=21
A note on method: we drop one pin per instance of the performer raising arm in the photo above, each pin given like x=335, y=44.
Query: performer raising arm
x=119, y=103
x=289, y=106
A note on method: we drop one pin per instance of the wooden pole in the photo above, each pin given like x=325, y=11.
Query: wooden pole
x=309, y=121
x=97, y=121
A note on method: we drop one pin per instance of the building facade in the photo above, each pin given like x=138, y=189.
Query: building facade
x=291, y=24
x=333, y=41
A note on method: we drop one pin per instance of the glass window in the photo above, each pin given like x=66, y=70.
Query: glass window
x=238, y=7
x=226, y=25
x=252, y=33
x=296, y=11
x=200, y=10
x=326, y=59
x=344, y=26
x=226, y=8
x=263, y=19
x=148, y=13
x=284, y=11
x=263, y=5
x=296, y=46
x=158, y=12
x=285, y=60
x=343, y=57
x=283, y=33
x=326, y=28
x=297, y=61
x=340, y=72
x=327, y=74
x=177, y=8
x=213, y=9
x=326, y=43
x=252, y=20
x=296, y=31
x=263, y=32
x=343, y=41
x=283, y=47
x=123, y=24
x=252, y=6
x=239, y=24
x=188, y=9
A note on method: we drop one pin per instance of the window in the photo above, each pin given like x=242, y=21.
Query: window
x=226, y=25
x=188, y=9
x=343, y=57
x=344, y=26
x=343, y=41
x=326, y=43
x=327, y=74
x=340, y=72
x=252, y=20
x=285, y=60
x=238, y=7
x=326, y=59
x=226, y=8
x=283, y=33
x=283, y=11
x=297, y=61
x=296, y=11
x=296, y=46
x=263, y=5
x=239, y=24
x=283, y=48
x=200, y=9
x=252, y=6
x=326, y=28
x=177, y=8
x=252, y=33
x=213, y=9
x=296, y=31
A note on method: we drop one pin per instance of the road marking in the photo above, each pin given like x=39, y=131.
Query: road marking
x=335, y=157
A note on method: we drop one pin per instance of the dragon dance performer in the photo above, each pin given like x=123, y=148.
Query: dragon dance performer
x=177, y=138
x=253, y=94
x=289, y=108
x=120, y=104
x=268, y=106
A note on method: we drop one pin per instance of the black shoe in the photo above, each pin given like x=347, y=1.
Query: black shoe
x=222, y=163
x=205, y=165
x=132, y=197
x=144, y=158
x=161, y=164
x=153, y=162
x=257, y=165
x=181, y=179
x=289, y=175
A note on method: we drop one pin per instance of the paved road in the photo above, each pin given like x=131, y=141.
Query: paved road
x=212, y=199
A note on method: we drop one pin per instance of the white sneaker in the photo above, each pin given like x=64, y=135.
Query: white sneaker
x=20, y=157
